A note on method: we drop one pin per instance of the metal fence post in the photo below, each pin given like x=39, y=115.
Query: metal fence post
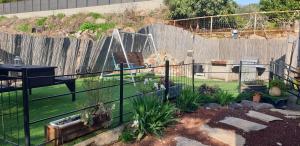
x=26, y=107
x=211, y=24
x=240, y=76
x=121, y=91
x=167, y=67
x=271, y=73
x=193, y=75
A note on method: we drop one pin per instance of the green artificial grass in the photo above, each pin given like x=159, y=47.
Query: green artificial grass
x=54, y=106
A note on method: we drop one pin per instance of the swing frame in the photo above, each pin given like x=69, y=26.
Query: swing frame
x=117, y=35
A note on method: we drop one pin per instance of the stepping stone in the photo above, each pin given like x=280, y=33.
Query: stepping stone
x=183, y=141
x=262, y=116
x=243, y=124
x=228, y=137
x=288, y=113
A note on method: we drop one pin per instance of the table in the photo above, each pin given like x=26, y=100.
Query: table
x=38, y=76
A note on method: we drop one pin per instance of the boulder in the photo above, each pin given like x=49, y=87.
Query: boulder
x=212, y=106
x=263, y=106
x=256, y=106
x=236, y=106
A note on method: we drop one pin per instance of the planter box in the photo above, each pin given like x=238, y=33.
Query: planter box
x=61, y=133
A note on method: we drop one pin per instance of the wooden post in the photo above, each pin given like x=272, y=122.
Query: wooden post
x=255, y=22
x=211, y=24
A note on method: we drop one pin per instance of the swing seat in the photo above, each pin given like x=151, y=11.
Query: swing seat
x=135, y=58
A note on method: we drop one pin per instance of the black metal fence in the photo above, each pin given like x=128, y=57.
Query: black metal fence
x=20, y=6
x=27, y=119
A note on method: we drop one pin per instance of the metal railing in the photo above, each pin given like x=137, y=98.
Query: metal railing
x=52, y=103
x=256, y=22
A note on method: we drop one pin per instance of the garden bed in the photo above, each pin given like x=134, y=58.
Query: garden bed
x=286, y=132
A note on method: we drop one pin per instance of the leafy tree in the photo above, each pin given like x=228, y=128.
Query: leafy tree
x=248, y=8
x=192, y=8
x=280, y=5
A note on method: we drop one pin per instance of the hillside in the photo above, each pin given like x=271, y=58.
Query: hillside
x=91, y=25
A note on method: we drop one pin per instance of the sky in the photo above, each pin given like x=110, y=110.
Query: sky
x=244, y=2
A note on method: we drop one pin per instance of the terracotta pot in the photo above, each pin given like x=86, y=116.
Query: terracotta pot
x=275, y=91
x=256, y=97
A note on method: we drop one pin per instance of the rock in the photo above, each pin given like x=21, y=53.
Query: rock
x=256, y=106
x=182, y=141
x=275, y=91
x=279, y=144
x=245, y=125
x=248, y=104
x=129, y=29
x=236, y=106
x=100, y=20
x=263, y=106
x=262, y=116
x=228, y=137
x=105, y=138
x=212, y=106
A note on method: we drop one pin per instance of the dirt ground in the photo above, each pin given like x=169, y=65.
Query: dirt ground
x=285, y=132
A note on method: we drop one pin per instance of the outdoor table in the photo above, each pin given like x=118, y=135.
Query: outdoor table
x=38, y=76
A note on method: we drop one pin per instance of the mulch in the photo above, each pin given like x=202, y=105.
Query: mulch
x=285, y=133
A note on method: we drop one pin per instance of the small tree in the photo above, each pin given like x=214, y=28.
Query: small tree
x=192, y=8
x=280, y=5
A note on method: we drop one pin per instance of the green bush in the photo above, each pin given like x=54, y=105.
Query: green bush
x=96, y=27
x=60, y=15
x=127, y=136
x=152, y=115
x=24, y=27
x=188, y=100
x=41, y=21
x=278, y=83
x=95, y=15
x=224, y=98
x=244, y=96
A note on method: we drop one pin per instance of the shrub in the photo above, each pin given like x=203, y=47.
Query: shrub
x=244, y=96
x=278, y=83
x=24, y=27
x=224, y=98
x=60, y=15
x=2, y=18
x=152, y=116
x=41, y=21
x=96, y=27
x=187, y=101
x=127, y=136
x=207, y=90
x=95, y=15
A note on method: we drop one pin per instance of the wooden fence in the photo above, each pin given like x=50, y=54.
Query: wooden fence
x=71, y=55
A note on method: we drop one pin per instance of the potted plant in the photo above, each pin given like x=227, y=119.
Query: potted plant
x=256, y=97
x=91, y=119
x=277, y=93
x=277, y=86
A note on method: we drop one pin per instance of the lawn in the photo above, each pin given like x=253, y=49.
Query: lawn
x=54, y=106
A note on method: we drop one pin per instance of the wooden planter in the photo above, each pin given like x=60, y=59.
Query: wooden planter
x=60, y=134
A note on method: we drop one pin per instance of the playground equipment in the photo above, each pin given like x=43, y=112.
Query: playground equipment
x=132, y=60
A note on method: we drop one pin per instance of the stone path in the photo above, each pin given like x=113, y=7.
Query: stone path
x=183, y=141
x=288, y=113
x=262, y=116
x=228, y=137
x=245, y=125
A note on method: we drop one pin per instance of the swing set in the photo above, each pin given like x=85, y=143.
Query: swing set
x=132, y=60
